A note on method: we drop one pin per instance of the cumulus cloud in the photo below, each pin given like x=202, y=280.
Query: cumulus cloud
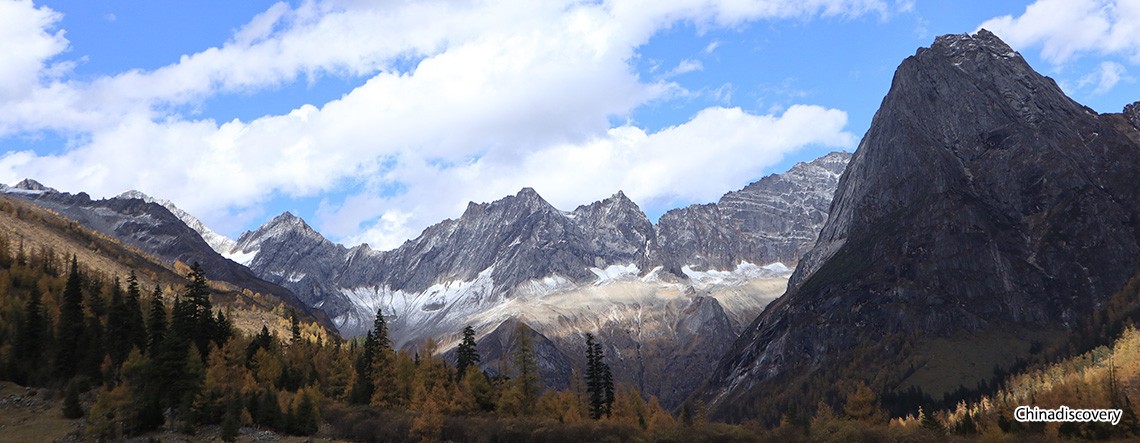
x=1067, y=28
x=504, y=95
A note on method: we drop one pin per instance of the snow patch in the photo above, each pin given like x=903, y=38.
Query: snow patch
x=242, y=257
x=744, y=272
x=437, y=311
x=614, y=273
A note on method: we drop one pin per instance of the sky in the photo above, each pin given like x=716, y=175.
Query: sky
x=375, y=119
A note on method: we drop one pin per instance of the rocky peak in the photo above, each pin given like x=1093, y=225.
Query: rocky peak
x=1132, y=113
x=526, y=201
x=982, y=200
x=134, y=194
x=28, y=184
x=617, y=230
x=961, y=47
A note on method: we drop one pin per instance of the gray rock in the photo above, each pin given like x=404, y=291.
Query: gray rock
x=775, y=219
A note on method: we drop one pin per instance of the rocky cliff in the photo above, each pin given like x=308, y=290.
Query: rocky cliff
x=983, y=209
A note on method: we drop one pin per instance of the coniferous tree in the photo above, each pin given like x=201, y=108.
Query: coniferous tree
x=467, y=354
x=91, y=347
x=362, y=386
x=527, y=380
x=154, y=389
x=263, y=340
x=599, y=379
x=133, y=319
x=383, y=371
x=71, y=407
x=156, y=322
x=295, y=327
x=70, y=324
x=118, y=337
x=223, y=329
x=201, y=326
x=30, y=340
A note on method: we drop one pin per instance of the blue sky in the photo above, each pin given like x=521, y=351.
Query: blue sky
x=373, y=120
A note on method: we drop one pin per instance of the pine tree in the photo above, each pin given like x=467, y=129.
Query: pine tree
x=70, y=324
x=467, y=354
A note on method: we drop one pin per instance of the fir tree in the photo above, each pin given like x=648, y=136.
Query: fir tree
x=70, y=324
x=201, y=327
x=467, y=354
x=133, y=318
x=362, y=386
x=599, y=380
x=223, y=329
x=156, y=322
x=118, y=337
x=30, y=339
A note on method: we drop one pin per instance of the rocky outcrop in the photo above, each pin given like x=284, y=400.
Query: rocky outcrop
x=775, y=219
x=1132, y=113
x=982, y=200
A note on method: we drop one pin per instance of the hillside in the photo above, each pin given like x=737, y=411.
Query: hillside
x=55, y=238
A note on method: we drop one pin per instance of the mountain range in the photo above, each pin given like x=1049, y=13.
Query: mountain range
x=667, y=299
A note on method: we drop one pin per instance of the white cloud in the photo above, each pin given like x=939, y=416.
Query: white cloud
x=1065, y=29
x=720, y=149
x=507, y=94
x=1107, y=75
x=27, y=42
x=684, y=67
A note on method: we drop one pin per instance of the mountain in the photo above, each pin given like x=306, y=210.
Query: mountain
x=983, y=215
x=217, y=242
x=153, y=229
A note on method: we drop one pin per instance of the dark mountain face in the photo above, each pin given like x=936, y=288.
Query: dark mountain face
x=981, y=202
x=155, y=230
